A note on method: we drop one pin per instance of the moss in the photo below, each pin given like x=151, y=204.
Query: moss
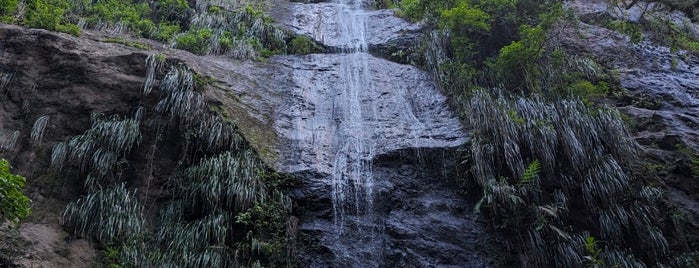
x=130, y=43
x=202, y=82
x=632, y=30
x=69, y=29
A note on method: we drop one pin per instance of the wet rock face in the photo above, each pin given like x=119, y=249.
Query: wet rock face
x=374, y=143
x=387, y=36
x=423, y=221
x=400, y=109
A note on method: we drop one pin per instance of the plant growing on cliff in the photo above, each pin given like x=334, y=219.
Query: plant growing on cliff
x=109, y=215
x=38, y=129
x=14, y=205
x=11, y=142
x=7, y=10
x=584, y=155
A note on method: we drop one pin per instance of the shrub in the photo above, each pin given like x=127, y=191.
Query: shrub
x=69, y=28
x=7, y=9
x=172, y=11
x=14, y=206
x=44, y=14
x=194, y=41
x=301, y=44
x=122, y=11
x=165, y=31
x=108, y=215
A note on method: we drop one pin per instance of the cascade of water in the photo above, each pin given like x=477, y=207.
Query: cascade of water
x=354, y=149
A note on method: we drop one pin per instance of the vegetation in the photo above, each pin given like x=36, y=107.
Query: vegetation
x=106, y=214
x=243, y=32
x=656, y=22
x=14, y=205
x=125, y=42
x=555, y=167
x=38, y=128
x=301, y=45
x=225, y=209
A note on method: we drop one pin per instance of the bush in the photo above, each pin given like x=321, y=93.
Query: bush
x=301, y=44
x=135, y=16
x=69, y=29
x=14, y=206
x=44, y=14
x=7, y=9
x=194, y=41
x=165, y=31
x=172, y=11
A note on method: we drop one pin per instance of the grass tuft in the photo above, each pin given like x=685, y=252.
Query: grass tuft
x=37, y=133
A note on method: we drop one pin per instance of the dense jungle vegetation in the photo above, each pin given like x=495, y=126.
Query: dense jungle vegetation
x=239, y=28
x=559, y=175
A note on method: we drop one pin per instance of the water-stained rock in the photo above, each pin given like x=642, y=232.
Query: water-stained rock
x=385, y=32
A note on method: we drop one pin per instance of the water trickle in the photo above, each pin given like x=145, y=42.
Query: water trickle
x=374, y=144
x=352, y=178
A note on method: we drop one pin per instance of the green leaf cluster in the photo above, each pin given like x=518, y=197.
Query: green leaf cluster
x=194, y=41
x=14, y=205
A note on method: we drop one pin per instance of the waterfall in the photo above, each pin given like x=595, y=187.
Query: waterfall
x=352, y=178
x=350, y=124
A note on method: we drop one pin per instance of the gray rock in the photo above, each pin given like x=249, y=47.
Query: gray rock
x=319, y=21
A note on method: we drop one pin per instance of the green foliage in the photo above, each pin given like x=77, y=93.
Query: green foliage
x=165, y=32
x=108, y=215
x=518, y=61
x=632, y=30
x=135, y=44
x=594, y=253
x=214, y=10
x=110, y=258
x=465, y=17
x=45, y=14
x=473, y=34
x=667, y=32
x=7, y=10
x=531, y=173
x=588, y=91
x=194, y=41
x=113, y=13
x=69, y=28
x=14, y=205
x=693, y=158
x=301, y=44
x=172, y=11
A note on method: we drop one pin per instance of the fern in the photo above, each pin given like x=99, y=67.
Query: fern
x=531, y=173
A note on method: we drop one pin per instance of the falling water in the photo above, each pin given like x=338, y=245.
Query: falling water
x=354, y=150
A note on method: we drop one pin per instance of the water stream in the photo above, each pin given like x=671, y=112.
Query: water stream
x=351, y=124
x=354, y=149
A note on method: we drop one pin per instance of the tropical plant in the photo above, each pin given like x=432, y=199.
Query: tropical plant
x=10, y=142
x=580, y=156
x=108, y=215
x=38, y=129
x=14, y=205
